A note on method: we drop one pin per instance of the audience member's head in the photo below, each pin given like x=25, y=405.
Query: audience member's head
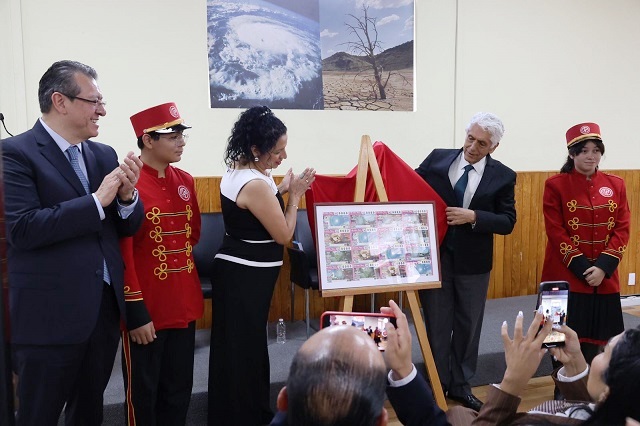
x=338, y=377
x=614, y=378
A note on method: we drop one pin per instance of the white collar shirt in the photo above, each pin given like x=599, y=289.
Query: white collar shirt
x=475, y=175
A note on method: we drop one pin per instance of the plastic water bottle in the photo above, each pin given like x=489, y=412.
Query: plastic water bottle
x=281, y=332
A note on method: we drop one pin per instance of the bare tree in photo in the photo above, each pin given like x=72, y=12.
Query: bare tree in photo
x=368, y=46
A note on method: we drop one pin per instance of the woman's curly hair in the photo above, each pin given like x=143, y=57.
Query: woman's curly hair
x=256, y=126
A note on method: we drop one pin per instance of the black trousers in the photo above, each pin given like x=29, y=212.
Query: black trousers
x=453, y=318
x=51, y=375
x=239, y=373
x=158, y=377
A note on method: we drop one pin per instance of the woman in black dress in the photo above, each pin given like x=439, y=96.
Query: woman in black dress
x=247, y=265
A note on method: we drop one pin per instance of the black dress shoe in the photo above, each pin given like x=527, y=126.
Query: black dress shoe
x=469, y=401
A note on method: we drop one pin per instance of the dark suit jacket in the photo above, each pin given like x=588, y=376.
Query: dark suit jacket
x=501, y=408
x=493, y=202
x=56, y=240
x=413, y=403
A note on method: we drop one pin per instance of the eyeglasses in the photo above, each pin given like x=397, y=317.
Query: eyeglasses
x=176, y=137
x=96, y=103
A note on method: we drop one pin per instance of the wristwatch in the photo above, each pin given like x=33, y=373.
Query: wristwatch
x=132, y=200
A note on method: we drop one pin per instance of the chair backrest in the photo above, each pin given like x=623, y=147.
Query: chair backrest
x=299, y=273
x=303, y=235
x=211, y=236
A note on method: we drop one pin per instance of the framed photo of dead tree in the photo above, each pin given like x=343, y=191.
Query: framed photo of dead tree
x=376, y=247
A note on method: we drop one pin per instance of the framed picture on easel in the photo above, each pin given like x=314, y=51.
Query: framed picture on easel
x=369, y=247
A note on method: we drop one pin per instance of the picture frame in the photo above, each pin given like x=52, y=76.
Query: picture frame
x=376, y=247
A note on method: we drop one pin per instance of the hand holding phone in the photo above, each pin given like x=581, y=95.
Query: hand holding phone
x=371, y=323
x=553, y=297
x=397, y=355
x=570, y=354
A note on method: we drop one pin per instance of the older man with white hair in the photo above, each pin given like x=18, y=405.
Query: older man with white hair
x=479, y=192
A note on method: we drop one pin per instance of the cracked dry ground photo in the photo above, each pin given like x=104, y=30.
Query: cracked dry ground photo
x=350, y=90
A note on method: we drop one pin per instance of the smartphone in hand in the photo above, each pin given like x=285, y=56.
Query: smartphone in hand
x=373, y=324
x=553, y=296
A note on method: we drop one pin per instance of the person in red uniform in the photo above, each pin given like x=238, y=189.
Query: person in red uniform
x=587, y=222
x=162, y=289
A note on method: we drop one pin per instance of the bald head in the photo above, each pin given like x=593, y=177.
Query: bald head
x=338, y=377
x=342, y=342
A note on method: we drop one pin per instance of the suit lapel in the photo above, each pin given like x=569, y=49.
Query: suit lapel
x=485, y=183
x=52, y=153
x=92, y=166
x=444, y=166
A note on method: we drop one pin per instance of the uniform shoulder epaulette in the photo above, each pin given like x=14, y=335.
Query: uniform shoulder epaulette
x=612, y=176
x=557, y=176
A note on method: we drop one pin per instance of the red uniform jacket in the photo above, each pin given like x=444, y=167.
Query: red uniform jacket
x=161, y=281
x=587, y=223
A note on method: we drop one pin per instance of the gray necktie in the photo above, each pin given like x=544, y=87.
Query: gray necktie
x=74, y=152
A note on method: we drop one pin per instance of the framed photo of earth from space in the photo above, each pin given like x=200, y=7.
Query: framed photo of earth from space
x=311, y=54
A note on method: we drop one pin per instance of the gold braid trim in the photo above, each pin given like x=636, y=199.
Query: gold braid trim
x=161, y=251
x=610, y=205
x=163, y=271
x=132, y=296
x=575, y=223
x=155, y=214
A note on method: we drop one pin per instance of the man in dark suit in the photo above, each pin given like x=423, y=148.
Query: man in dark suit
x=338, y=377
x=479, y=192
x=65, y=211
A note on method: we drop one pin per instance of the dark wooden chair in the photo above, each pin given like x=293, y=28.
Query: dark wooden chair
x=304, y=262
x=211, y=235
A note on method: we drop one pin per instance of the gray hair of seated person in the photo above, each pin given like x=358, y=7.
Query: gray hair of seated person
x=335, y=389
x=490, y=123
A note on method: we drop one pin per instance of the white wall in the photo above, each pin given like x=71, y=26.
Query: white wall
x=545, y=65
x=541, y=65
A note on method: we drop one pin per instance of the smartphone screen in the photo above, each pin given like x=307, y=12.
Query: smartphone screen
x=374, y=325
x=554, y=299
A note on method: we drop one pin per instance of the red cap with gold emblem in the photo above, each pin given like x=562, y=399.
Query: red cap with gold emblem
x=163, y=118
x=582, y=131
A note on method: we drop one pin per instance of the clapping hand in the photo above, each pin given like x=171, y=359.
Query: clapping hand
x=129, y=174
x=109, y=187
x=299, y=184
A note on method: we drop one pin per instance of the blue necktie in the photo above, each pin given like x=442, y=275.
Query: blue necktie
x=74, y=152
x=461, y=185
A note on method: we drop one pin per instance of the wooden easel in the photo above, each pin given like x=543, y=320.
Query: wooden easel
x=367, y=161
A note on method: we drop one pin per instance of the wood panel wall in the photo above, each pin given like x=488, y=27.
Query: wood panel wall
x=518, y=257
